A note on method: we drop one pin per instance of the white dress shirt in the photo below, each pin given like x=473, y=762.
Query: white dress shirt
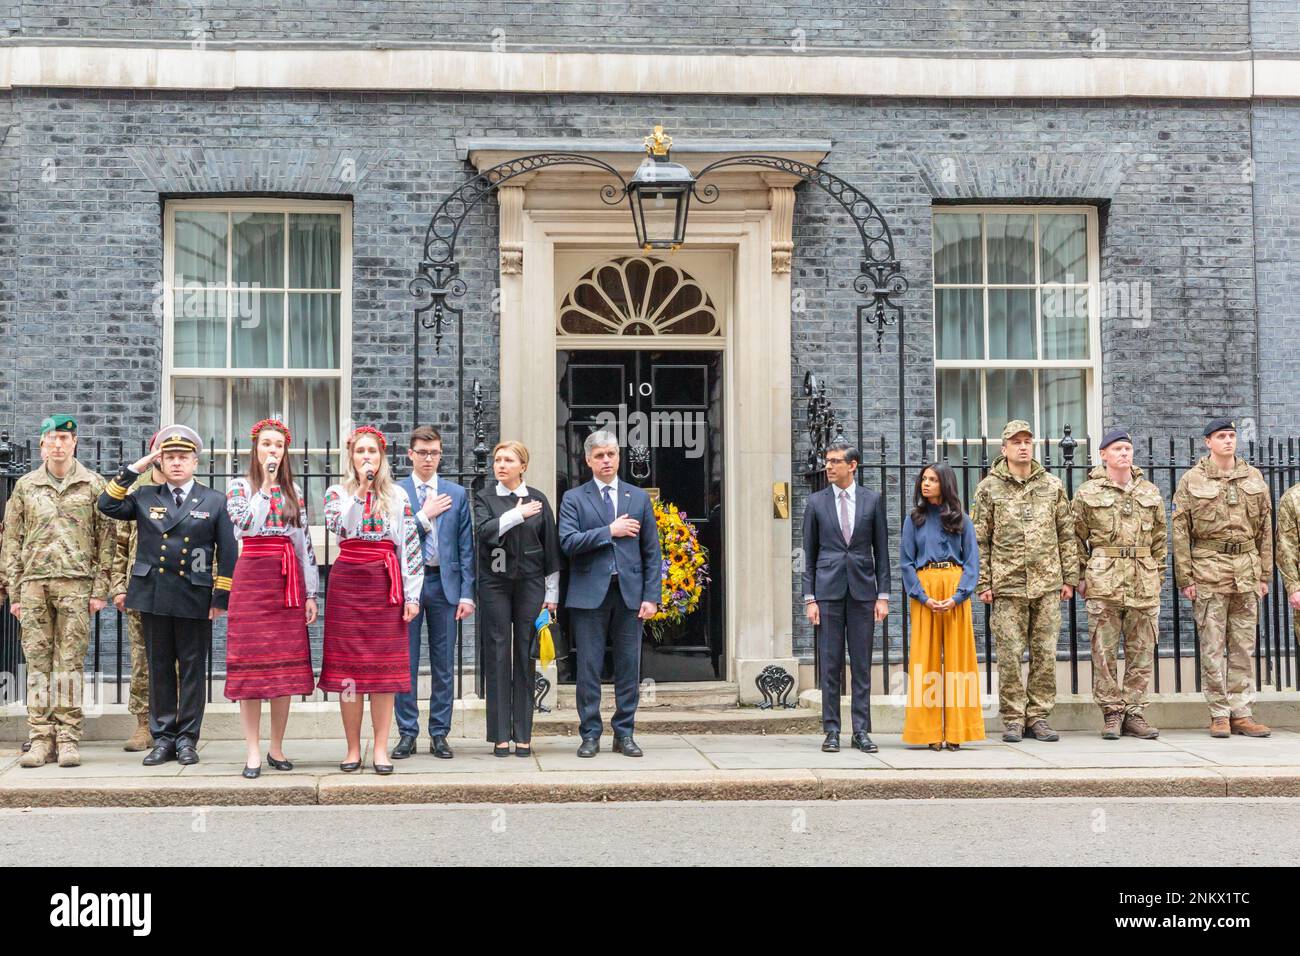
x=515, y=517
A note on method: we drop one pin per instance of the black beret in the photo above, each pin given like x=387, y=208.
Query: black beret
x=1219, y=425
x=1114, y=435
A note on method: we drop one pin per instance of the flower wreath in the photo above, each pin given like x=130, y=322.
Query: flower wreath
x=369, y=430
x=272, y=423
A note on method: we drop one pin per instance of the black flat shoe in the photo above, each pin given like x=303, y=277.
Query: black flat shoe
x=953, y=746
x=350, y=766
x=279, y=764
x=523, y=750
x=383, y=769
x=252, y=773
x=499, y=751
x=936, y=746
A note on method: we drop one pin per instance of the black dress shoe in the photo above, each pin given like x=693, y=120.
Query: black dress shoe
x=383, y=769
x=252, y=773
x=831, y=744
x=590, y=747
x=500, y=751
x=350, y=766
x=862, y=742
x=159, y=755
x=438, y=747
x=627, y=747
x=405, y=747
x=186, y=755
x=279, y=764
x=523, y=750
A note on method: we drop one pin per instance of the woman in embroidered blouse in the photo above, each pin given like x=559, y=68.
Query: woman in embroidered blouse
x=273, y=595
x=374, y=592
x=940, y=562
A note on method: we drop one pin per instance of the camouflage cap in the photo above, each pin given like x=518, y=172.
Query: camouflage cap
x=59, y=423
x=1015, y=427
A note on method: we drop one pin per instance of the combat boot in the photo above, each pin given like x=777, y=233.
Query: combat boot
x=141, y=739
x=1135, y=725
x=1219, y=727
x=1113, y=720
x=69, y=755
x=1013, y=734
x=1040, y=731
x=1248, y=727
x=42, y=752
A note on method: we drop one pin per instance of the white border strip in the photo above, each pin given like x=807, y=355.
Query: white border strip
x=145, y=68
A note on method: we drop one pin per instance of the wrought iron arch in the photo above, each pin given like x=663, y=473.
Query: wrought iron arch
x=879, y=276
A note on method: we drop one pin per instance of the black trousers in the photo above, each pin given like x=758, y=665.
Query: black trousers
x=852, y=623
x=172, y=643
x=591, y=626
x=507, y=610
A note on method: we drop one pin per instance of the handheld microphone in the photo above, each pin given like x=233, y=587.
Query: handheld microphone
x=271, y=465
x=370, y=475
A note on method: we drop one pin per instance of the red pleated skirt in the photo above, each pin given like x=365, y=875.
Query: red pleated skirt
x=267, y=653
x=367, y=648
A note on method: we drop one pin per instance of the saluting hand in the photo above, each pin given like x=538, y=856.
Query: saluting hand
x=147, y=462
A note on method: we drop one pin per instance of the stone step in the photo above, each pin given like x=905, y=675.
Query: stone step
x=684, y=695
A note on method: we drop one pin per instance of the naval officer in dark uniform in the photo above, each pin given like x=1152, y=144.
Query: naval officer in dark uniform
x=180, y=582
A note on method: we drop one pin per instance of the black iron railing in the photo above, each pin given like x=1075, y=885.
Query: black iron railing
x=109, y=655
x=1164, y=461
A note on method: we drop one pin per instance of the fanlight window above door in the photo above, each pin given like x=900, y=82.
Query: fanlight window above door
x=638, y=295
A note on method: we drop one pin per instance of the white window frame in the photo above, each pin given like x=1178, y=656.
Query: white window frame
x=343, y=374
x=1090, y=366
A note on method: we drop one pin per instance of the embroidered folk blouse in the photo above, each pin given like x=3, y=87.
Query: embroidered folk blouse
x=255, y=513
x=347, y=516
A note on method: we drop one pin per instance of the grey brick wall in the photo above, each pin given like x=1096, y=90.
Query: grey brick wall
x=1076, y=25
x=87, y=167
x=1275, y=25
x=1277, y=223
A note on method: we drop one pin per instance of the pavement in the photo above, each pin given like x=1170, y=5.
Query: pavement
x=1133, y=834
x=1182, y=763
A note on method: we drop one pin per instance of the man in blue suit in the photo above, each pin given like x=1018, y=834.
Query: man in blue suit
x=447, y=540
x=607, y=530
x=845, y=588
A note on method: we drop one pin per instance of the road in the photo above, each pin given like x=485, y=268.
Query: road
x=1051, y=832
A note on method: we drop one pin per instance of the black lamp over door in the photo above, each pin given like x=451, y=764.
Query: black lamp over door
x=659, y=195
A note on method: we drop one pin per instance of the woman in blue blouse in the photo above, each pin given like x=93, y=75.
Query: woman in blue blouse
x=940, y=562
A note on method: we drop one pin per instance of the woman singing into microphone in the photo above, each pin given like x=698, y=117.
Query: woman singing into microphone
x=374, y=592
x=273, y=594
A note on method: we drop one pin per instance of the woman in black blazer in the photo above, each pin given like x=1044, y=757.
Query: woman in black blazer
x=518, y=575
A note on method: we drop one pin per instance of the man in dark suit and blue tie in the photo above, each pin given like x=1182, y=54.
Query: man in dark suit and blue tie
x=447, y=541
x=845, y=588
x=607, y=530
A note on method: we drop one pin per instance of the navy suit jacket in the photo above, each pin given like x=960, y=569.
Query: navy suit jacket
x=585, y=539
x=455, y=539
x=833, y=570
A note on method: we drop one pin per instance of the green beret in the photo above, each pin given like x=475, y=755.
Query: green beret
x=59, y=423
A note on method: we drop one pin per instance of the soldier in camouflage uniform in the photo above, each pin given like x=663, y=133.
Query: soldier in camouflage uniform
x=123, y=559
x=1026, y=540
x=1223, y=559
x=1288, y=551
x=57, y=553
x=1119, y=520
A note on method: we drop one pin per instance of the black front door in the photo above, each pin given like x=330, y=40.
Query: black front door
x=666, y=409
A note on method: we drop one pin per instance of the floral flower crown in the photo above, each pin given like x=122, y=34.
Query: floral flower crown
x=273, y=423
x=368, y=430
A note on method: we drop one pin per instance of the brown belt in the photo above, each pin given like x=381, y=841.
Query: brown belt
x=1226, y=547
x=1123, y=552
